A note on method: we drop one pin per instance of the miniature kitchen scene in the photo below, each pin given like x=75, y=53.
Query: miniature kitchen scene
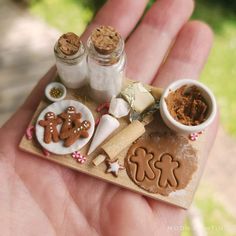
x=111, y=116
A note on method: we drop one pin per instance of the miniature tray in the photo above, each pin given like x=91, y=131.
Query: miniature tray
x=181, y=195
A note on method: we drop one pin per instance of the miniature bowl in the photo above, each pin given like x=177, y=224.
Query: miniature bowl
x=55, y=85
x=179, y=127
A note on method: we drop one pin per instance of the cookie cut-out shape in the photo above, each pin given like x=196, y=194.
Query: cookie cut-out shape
x=167, y=166
x=161, y=163
x=142, y=159
x=50, y=124
x=69, y=117
x=114, y=167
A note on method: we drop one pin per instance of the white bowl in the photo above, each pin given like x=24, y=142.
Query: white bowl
x=55, y=85
x=177, y=126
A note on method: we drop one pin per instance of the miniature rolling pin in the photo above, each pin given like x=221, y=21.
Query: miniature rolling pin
x=123, y=139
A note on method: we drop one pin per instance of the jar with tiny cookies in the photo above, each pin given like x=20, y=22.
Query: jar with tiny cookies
x=71, y=61
x=106, y=63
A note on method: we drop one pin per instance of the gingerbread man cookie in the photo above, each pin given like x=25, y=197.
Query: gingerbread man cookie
x=161, y=163
x=79, y=131
x=68, y=117
x=50, y=127
x=167, y=166
x=142, y=159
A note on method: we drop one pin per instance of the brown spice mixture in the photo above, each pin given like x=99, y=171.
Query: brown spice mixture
x=187, y=106
x=105, y=39
x=69, y=43
x=56, y=92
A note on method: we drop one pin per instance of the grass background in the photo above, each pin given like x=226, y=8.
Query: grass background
x=219, y=74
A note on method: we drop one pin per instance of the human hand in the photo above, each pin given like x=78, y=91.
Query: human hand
x=41, y=198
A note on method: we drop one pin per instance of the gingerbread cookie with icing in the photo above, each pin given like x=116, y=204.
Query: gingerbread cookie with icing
x=50, y=124
x=69, y=117
x=161, y=164
x=79, y=131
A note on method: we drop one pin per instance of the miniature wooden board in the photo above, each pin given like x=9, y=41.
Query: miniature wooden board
x=181, y=198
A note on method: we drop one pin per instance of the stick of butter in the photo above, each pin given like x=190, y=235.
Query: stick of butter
x=138, y=97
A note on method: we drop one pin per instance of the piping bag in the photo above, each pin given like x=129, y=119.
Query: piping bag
x=129, y=134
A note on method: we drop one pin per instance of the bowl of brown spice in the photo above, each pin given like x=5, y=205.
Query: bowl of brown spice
x=55, y=91
x=188, y=106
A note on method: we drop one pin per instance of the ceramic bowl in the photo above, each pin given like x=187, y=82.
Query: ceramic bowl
x=179, y=127
x=55, y=85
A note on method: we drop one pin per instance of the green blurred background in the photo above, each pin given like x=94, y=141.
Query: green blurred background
x=219, y=74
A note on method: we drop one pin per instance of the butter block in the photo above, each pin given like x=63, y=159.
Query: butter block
x=138, y=97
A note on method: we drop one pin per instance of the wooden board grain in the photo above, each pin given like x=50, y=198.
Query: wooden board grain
x=181, y=198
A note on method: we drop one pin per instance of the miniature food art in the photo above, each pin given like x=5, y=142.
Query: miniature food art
x=114, y=167
x=133, y=145
x=105, y=39
x=105, y=128
x=69, y=43
x=71, y=64
x=161, y=164
x=99, y=159
x=79, y=157
x=119, y=107
x=69, y=116
x=138, y=97
x=74, y=130
x=106, y=63
x=123, y=139
x=187, y=105
x=50, y=124
x=80, y=130
x=56, y=92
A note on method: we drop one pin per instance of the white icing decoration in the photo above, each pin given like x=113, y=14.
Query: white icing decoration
x=58, y=108
x=114, y=167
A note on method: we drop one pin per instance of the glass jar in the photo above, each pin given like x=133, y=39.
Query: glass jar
x=72, y=69
x=106, y=71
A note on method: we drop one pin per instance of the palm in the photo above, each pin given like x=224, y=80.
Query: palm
x=42, y=198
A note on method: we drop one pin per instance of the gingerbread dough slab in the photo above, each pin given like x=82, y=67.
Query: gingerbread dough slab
x=176, y=186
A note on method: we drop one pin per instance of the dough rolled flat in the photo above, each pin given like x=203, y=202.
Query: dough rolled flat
x=123, y=139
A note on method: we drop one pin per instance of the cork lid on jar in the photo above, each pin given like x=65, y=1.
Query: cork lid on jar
x=105, y=39
x=69, y=43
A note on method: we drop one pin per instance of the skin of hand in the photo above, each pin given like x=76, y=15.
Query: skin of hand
x=42, y=198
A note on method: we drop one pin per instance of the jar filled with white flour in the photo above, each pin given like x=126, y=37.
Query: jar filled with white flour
x=71, y=60
x=106, y=63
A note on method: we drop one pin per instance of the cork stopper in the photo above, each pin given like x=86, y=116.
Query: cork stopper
x=105, y=39
x=69, y=43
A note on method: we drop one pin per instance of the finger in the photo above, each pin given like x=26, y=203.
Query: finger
x=123, y=15
x=185, y=60
x=188, y=55
x=148, y=45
